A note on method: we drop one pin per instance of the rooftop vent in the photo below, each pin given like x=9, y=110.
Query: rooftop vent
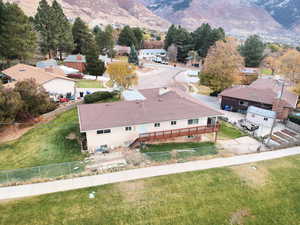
x=163, y=91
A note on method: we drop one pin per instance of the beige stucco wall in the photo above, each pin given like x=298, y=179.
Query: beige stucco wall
x=120, y=137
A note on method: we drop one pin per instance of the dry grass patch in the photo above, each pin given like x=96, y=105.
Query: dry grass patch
x=253, y=175
x=132, y=191
x=237, y=218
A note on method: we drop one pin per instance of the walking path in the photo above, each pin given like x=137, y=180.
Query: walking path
x=128, y=175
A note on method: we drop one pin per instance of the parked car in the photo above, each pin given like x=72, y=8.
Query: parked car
x=247, y=125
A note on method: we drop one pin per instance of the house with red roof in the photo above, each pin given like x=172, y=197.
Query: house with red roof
x=266, y=93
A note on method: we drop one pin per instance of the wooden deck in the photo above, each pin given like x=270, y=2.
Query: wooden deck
x=162, y=135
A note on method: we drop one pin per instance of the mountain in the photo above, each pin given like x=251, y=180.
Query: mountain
x=285, y=12
x=237, y=16
x=129, y=12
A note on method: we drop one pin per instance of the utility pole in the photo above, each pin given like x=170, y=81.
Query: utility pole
x=274, y=122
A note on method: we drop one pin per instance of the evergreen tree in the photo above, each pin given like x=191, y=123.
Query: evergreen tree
x=127, y=37
x=45, y=25
x=133, y=57
x=170, y=37
x=94, y=66
x=105, y=41
x=17, y=39
x=252, y=51
x=63, y=31
x=82, y=36
x=205, y=37
x=139, y=36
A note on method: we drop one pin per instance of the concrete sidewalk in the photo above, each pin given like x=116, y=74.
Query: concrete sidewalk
x=128, y=175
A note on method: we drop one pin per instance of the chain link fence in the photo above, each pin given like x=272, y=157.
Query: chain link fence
x=11, y=177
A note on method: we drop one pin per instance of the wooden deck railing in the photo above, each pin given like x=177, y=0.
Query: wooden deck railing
x=160, y=135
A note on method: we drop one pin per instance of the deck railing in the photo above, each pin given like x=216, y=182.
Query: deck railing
x=178, y=133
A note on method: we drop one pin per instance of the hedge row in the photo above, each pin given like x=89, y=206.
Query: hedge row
x=99, y=96
x=295, y=119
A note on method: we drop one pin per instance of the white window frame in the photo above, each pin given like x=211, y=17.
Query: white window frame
x=173, y=122
x=193, y=121
x=156, y=124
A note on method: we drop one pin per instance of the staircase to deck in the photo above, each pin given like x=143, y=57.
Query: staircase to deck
x=163, y=135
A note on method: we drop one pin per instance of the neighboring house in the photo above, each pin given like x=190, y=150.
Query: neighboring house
x=261, y=117
x=165, y=113
x=151, y=54
x=122, y=50
x=151, y=44
x=77, y=62
x=248, y=74
x=51, y=79
x=68, y=70
x=47, y=63
x=263, y=93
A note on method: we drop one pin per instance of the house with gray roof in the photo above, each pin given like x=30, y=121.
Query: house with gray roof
x=162, y=114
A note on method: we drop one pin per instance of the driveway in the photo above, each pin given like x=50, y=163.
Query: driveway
x=160, y=76
x=134, y=174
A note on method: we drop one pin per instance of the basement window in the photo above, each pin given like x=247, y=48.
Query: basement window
x=128, y=128
x=193, y=121
x=107, y=131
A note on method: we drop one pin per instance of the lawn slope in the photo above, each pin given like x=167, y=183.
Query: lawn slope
x=45, y=144
x=265, y=193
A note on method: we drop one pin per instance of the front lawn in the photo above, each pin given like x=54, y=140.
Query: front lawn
x=178, y=151
x=265, y=193
x=89, y=84
x=166, y=147
x=228, y=131
x=54, y=142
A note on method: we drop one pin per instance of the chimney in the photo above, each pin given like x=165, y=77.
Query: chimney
x=163, y=91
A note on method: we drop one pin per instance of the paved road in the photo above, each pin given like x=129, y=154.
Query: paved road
x=128, y=175
x=162, y=76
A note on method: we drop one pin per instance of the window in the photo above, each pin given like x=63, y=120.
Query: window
x=243, y=103
x=193, y=121
x=157, y=125
x=107, y=131
x=173, y=122
x=128, y=128
x=266, y=119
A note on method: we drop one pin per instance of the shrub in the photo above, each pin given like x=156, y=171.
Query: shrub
x=75, y=76
x=295, y=119
x=99, y=96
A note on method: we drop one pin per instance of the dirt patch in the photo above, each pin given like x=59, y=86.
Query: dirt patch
x=132, y=191
x=71, y=136
x=254, y=176
x=237, y=218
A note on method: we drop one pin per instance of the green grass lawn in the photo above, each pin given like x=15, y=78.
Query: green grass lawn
x=228, y=131
x=267, y=195
x=163, y=152
x=266, y=71
x=165, y=147
x=45, y=144
x=89, y=84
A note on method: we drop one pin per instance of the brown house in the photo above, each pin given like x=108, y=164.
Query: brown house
x=266, y=93
x=76, y=62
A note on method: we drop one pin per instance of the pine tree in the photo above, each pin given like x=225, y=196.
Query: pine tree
x=45, y=25
x=94, y=66
x=82, y=36
x=252, y=51
x=170, y=37
x=133, y=57
x=127, y=37
x=105, y=41
x=139, y=36
x=17, y=39
x=64, y=38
